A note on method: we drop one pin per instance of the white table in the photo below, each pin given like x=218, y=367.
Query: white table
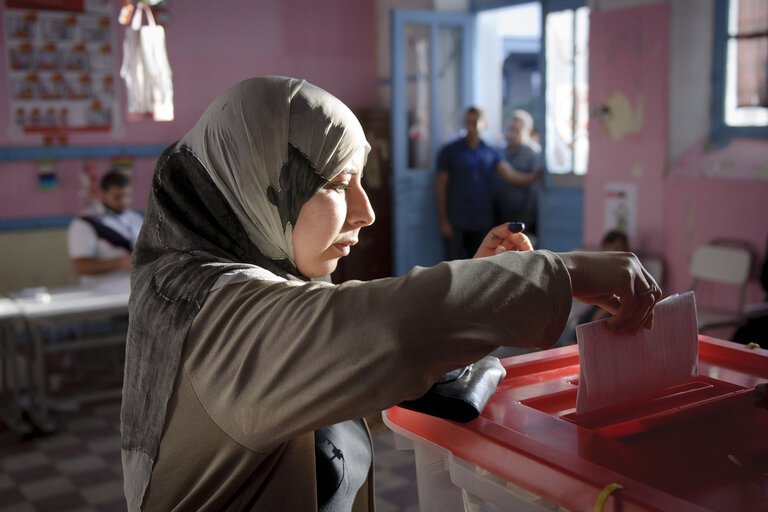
x=10, y=398
x=36, y=314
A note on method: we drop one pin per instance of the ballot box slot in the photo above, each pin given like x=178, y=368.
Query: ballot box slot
x=673, y=404
x=632, y=416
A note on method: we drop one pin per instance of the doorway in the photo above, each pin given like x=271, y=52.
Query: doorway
x=529, y=55
x=538, y=54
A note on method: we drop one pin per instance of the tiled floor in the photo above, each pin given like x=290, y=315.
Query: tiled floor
x=78, y=468
x=75, y=469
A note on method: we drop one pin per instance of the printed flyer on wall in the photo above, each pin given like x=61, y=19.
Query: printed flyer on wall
x=60, y=66
x=621, y=208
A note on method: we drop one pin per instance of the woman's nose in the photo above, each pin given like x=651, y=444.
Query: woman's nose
x=359, y=210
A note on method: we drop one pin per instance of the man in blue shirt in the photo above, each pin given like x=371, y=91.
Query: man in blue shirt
x=464, y=188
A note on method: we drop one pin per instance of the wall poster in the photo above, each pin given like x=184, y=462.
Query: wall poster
x=620, y=201
x=60, y=66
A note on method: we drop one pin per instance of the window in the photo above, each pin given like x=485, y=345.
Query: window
x=740, y=70
x=567, y=104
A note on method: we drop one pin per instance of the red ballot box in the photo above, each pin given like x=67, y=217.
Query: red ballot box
x=699, y=446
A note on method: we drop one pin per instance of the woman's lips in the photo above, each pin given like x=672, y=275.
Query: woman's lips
x=344, y=246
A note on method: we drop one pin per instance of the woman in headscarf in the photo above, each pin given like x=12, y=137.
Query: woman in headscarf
x=247, y=370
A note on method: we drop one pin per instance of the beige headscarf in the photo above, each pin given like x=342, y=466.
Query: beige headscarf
x=243, y=141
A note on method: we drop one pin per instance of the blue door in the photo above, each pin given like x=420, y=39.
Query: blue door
x=431, y=87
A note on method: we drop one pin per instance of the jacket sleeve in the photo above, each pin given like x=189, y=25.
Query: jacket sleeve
x=272, y=360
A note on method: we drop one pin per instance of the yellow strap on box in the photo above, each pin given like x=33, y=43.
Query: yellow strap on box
x=604, y=494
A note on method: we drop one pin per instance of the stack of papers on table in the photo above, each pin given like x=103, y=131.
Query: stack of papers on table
x=615, y=368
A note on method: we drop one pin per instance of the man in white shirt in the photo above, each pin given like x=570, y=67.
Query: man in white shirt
x=101, y=239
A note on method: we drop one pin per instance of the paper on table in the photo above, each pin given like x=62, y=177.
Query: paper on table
x=615, y=368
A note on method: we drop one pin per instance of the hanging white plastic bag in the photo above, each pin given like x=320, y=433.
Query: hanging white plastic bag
x=138, y=92
x=145, y=68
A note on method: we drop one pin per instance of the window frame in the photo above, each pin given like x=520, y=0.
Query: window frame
x=720, y=132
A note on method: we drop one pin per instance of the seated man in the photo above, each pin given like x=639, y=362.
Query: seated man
x=101, y=239
x=755, y=330
x=614, y=240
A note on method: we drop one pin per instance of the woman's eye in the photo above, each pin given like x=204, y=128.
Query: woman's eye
x=339, y=187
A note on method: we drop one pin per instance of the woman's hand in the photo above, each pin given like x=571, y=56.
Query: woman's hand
x=501, y=239
x=618, y=283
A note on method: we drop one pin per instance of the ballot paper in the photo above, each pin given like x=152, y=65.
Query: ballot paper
x=614, y=368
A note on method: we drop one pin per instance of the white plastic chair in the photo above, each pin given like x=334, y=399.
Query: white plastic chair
x=723, y=262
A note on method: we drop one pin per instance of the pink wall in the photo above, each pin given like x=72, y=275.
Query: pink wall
x=212, y=45
x=628, y=56
x=705, y=195
x=700, y=209
x=21, y=198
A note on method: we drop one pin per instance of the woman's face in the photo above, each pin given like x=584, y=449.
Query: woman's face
x=329, y=223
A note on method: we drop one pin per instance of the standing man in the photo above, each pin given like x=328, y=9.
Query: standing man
x=464, y=188
x=520, y=202
x=101, y=239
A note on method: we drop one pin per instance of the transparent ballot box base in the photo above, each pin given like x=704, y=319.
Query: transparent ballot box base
x=450, y=484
